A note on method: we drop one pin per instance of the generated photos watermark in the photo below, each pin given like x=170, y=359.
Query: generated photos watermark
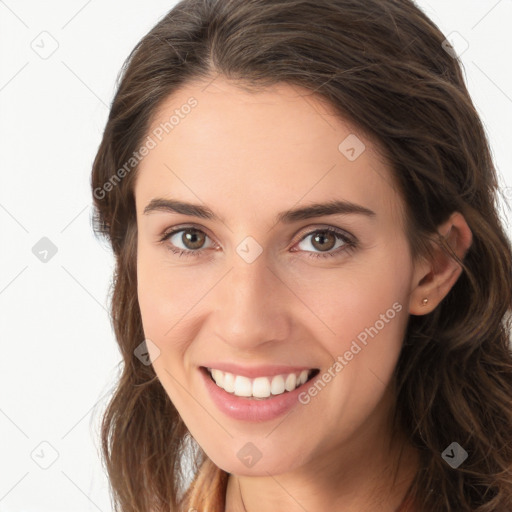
x=356, y=347
x=150, y=142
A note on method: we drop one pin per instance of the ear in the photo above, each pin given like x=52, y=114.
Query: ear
x=434, y=277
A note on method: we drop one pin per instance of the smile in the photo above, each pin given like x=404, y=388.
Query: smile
x=259, y=387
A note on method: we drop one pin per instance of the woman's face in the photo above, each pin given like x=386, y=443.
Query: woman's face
x=263, y=291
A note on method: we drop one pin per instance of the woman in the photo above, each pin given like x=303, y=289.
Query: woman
x=312, y=280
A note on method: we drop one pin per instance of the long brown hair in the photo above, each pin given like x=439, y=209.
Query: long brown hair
x=383, y=66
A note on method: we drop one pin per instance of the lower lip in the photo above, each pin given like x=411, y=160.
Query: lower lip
x=248, y=409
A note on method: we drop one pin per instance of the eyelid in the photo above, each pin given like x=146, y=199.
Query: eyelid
x=182, y=227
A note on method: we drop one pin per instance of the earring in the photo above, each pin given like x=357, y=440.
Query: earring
x=424, y=301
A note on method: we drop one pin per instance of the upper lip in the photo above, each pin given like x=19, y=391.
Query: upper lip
x=257, y=371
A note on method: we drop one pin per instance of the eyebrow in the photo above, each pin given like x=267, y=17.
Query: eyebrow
x=335, y=207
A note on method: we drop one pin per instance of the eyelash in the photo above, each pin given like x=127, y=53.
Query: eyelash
x=350, y=243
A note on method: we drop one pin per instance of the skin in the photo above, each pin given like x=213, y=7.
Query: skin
x=248, y=156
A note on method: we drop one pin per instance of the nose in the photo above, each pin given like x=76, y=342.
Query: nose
x=252, y=305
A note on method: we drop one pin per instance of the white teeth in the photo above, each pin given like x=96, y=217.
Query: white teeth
x=291, y=382
x=277, y=386
x=243, y=386
x=260, y=387
x=229, y=382
x=218, y=376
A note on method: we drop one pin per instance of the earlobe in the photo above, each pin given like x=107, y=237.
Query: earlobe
x=434, y=277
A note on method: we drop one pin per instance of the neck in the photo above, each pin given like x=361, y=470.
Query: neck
x=368, y=476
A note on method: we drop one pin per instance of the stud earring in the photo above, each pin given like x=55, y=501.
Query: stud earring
x=424, y=301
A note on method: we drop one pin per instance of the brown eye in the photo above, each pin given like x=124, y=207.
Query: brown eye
x=188, y=241
x=323, y=240
x=326, y=242
x=193, y=239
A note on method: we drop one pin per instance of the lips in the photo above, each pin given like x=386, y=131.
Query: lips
x=251, y=408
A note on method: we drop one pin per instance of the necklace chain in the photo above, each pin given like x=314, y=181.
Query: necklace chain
x=245, y=509
x=241, y=497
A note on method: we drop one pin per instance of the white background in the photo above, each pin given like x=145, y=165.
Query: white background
x=59, y=358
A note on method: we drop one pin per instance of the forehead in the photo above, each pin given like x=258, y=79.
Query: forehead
x=281, y=145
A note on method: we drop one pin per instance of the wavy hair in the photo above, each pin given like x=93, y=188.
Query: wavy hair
x=382, y=65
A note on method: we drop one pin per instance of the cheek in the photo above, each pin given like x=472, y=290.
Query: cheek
x=349, y=300
x=172, y=299
x=165, y=293
x=363, y=312
x=157, y=296
x=163, y=301
x=151, y=293
x=366, y=315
